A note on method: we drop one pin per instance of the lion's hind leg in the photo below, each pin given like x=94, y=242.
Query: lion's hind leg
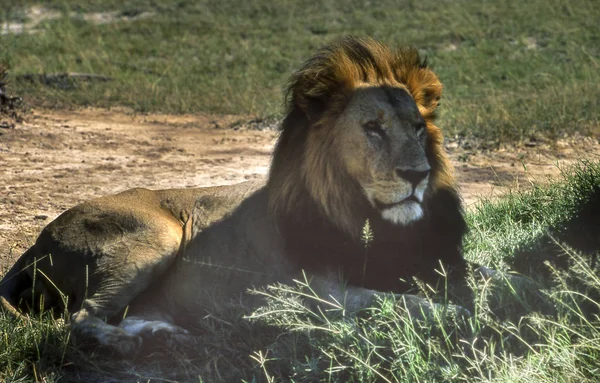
x=100, y=319
x=105, y=255
x=112, y=292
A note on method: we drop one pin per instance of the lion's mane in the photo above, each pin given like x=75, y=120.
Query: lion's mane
x=320, y=208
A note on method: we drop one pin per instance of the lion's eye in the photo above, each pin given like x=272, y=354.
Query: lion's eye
x=374, y=129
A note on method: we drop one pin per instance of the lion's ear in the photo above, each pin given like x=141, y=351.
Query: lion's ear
x=426, y=89
x=313, y=106
x=314, y=89
x=432, y=95
x=310, y=95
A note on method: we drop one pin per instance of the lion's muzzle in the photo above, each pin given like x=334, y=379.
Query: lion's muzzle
x=414, y=177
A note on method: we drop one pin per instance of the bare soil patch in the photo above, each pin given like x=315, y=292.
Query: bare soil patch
x=33, y=18
x=55, y=159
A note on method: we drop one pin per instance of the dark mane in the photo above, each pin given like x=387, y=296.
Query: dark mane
x=320, y=208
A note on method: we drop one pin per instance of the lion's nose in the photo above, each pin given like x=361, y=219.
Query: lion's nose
x=412, y=176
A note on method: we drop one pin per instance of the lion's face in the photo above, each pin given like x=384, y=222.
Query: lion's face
x=381, y=136
x=360, y=135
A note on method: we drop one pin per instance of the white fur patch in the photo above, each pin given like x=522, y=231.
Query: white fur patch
x=137, y=326
x=420, y=189
x=403, y=214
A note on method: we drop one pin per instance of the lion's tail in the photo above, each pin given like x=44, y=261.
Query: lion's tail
x=14, y=282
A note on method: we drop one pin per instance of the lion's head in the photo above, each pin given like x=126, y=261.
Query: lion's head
x=359, y=134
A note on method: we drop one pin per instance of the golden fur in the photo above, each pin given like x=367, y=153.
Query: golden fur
x=352, y=148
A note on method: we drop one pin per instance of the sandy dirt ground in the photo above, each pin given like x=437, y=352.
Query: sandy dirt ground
x=56, y=159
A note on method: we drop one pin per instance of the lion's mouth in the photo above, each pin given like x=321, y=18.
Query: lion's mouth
x=383, y=206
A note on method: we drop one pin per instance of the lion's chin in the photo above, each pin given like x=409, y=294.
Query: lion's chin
x=404, y=213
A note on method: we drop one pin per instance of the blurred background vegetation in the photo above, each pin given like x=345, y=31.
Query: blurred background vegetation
x=511, y=69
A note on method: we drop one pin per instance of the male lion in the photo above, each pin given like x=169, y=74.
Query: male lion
x=358, y=143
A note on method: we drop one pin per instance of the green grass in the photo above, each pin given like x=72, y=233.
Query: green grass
x=516, y=333
x=516, y=223
x=512, y=69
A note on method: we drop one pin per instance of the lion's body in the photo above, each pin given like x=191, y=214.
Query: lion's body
x=126, y=241
x=358, y=144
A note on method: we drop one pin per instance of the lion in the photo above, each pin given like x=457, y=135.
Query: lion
x=358, y=144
